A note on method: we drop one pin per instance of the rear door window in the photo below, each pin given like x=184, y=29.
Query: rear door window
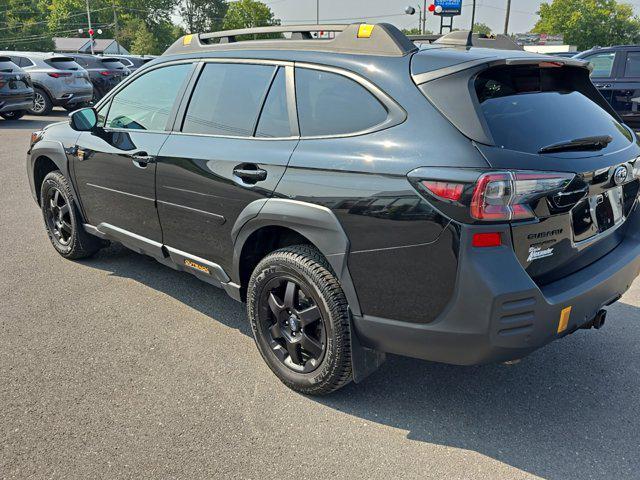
x=332, y=104
x=227, y=99
x=274, y=119
x=528, y=108
x=602, y=64
x=632, y=65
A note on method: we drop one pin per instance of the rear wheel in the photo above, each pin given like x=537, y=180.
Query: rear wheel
x=42, y=104
x=62, y=219
x=300, y=320
x=14, y=115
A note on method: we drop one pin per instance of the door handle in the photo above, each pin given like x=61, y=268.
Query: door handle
x=141, y=159
x=250, y=173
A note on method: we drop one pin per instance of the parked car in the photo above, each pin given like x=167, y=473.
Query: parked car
x=57, y=80
x=16, y=90
x=134, y=62
x=616, y=73
x=269, y=168
x=104, y=72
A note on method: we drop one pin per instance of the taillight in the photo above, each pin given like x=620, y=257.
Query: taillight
x=59, y=74
x=505, y=196
x=471, y=196
x=105, y=73
x=445, y=190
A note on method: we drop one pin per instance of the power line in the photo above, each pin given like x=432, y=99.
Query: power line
x=17, y=25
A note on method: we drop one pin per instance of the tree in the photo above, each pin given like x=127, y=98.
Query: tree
x=23, y=26
x=415, y=31
x=248, y=14
x=144, y=43
x=587, y=23
x=203, y=15
x=481, y=28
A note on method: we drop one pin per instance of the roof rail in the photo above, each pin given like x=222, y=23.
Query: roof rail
x=465, y=38
x=357, y=38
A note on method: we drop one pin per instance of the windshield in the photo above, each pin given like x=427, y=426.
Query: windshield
x=113, y=63
x=529, y=108
x=63, y=63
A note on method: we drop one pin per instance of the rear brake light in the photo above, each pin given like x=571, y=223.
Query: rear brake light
x=444, y=190
x=105, y=73
x=491, y=239
x=59, y=74
x=507, y=195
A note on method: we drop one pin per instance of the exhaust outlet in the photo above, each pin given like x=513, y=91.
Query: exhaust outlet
x=600, y=318
x=597, y=322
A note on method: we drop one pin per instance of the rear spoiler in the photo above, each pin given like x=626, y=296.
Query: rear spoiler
x=492, y=62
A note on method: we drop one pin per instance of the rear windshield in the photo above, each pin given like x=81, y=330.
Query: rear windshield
x=62, y=63
x=112, y=63
x=6, y=65
x=528, y=108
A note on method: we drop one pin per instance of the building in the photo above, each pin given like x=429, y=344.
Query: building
x=83, y=45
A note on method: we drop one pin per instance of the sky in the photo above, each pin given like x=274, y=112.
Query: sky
x=491, y=12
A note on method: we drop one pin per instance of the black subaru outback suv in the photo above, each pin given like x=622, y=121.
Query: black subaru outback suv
x=457, y=204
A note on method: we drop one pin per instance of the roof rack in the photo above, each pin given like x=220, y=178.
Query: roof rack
x=357, y=38
x=465, y=38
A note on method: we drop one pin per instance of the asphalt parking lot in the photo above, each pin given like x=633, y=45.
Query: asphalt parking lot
x=118, y=367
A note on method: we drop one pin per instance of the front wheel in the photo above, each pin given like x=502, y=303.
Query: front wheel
x=62, y=219
x=14, y=115
x=300, y=320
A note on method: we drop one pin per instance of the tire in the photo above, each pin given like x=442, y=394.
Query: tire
x=62, y=219
x=14, y=115
x=42, y=104
x=278, y=311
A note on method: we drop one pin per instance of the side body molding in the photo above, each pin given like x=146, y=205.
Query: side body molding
x=316, y=223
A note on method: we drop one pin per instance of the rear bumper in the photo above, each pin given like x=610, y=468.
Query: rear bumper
x=69, y=99
x=498, y=313
x=12, y=103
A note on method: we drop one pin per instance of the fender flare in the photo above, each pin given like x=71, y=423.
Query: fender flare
x=316, y=223
x=54, y=151
x=320, y=226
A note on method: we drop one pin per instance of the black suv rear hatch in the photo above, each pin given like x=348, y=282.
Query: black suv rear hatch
x=543, y=115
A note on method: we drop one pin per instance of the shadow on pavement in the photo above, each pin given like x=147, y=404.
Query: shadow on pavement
x=31, y=122
x=570, y=410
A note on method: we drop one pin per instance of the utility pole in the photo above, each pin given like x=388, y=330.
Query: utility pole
x=116, y=27
x=473, y=15
x=424, y=18
x=506, y=20
x=317, y=12
x=90, y=29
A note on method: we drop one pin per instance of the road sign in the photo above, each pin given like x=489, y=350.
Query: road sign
x=450, y=8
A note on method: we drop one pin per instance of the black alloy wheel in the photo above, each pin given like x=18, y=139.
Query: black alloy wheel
x=296, y=331
x=58, y=216
x=300, y=320
x=63, y=221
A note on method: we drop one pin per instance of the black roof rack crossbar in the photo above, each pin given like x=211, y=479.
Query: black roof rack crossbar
x=465, y=38
x=356, y=38
x=229, y=36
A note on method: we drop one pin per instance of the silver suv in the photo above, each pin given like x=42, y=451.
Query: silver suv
x=57, y=80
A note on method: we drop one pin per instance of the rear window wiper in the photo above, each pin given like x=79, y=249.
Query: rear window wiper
x=579, y=144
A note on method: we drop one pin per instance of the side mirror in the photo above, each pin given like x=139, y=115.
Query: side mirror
x=83, y=120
